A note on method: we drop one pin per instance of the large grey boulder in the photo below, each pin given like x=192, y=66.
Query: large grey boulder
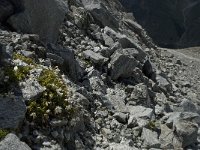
x=150, y=138
x=100, y=13
x=12, y=112
x=12, y=142
x=42, y=17
x=6, y=10
x=123, y=63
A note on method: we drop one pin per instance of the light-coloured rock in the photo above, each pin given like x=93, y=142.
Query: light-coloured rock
x=150, y=138
x=95, y=57
x=12, y=142
x=31, y=89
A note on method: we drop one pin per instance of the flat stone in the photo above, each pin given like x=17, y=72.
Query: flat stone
x=95, y=57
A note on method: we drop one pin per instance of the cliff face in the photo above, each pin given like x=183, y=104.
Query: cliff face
x=170, y=23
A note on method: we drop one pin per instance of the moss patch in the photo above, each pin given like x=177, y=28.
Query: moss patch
x=3, y=133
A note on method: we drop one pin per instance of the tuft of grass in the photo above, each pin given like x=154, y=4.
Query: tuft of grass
x=52, y=103
x=23, y=58
x=17, y=75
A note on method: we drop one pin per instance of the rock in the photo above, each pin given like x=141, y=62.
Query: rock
x=31, y=89
x=97, y=84
x=12, y=112
x=186, y=132
x=188, y=106
x=51, y=12
x=167, y=139
x=100, y=13
x=150, y=138
x=107, y=52
x=132, y=122
x=163, y=83
x=12, y=142
x=71, y=65
x=121, y=117
x=128, y=43
x=6, y=10
x=116, y=146
x=55, y=59
x=140, y=95
x=140, y=111
x=95, y=57
x=107, y=40
x=117, y=99
x=149, y=70
x=122, y=64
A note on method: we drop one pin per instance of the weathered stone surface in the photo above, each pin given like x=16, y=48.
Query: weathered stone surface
x=95, y=57
x=140, y=95
x=122, y=65
x=186, y=132
x=128, y=43
x=12, y=142
x=40, y=17
x=31, y=89
x=117, y=99
x=121, y=117
x=101, y=13
x=140, y=112
x=167, y=139
x=6, y=9
x=163, y=83
x=12, y=112
x=150, y=138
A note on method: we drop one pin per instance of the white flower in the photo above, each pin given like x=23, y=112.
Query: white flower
x=15, y=68
x=58, y=110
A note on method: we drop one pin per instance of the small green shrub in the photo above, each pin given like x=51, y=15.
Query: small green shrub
x=25, y=59
x=54, y=97
x=3, y=133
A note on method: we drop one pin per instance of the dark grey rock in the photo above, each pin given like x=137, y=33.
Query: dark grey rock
x=6, y=10
x=12, y=112
x=128, y=43
x=12, y=142
x=51, y=12
x=122, y=65
x=101, y=13
x=121, y=117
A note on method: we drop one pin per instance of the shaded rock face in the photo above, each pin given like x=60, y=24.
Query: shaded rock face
x=169, y=23
x=39, y=17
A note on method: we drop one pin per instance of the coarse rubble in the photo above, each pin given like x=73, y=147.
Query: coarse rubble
x=100, y=83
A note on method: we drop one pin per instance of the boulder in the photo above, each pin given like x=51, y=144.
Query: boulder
x=31, y=89
x=6, y=10
x=96, y=58
x=12, y=112
x=12, y=142
x=150, y=138
x=122, y=64
x=42, y=17
x=100, y=13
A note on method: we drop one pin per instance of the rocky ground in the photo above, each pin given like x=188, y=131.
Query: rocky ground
x=92, y=80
